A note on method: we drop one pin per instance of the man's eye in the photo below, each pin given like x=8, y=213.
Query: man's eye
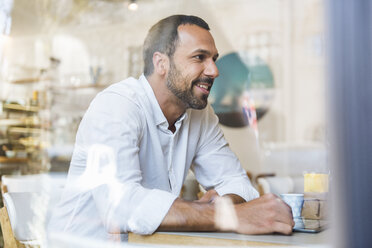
x=200, y=57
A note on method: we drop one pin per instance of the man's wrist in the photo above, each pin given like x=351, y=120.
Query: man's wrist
x=225, y=217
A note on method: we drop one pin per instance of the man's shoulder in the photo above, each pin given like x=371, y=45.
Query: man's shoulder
x=129, y=91
x=129, y=88
x=125, y=95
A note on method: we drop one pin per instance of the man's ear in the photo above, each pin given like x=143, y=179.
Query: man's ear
x=161, y=63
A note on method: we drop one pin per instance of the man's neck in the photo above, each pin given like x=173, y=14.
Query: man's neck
x=170, y=105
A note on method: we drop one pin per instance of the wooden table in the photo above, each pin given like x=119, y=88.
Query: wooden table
x=232, y=239
x=10, y=165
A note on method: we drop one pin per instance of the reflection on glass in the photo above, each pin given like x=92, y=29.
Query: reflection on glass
x=241, y=75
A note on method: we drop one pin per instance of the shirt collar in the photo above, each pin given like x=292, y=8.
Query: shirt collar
x=154, y=105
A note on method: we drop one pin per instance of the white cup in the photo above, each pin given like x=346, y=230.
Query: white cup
x=295, y=201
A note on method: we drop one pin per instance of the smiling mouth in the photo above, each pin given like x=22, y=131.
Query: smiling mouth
x=204, y=84
x=205, y=88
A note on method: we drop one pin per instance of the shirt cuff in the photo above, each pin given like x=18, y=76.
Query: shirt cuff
x=242, y=189
x=151, y=211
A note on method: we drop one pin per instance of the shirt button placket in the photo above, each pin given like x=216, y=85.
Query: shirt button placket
x=170, y=165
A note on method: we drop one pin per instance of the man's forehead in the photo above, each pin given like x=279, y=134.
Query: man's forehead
x=195, y=37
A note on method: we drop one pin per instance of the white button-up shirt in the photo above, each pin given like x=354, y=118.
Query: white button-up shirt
x=128, y=168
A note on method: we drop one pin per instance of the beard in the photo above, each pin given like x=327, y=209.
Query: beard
x=183, y=90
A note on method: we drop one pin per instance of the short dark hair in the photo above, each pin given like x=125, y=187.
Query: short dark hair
x=163, y=37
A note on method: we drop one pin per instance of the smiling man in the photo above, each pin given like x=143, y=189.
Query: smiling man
x=139, y=139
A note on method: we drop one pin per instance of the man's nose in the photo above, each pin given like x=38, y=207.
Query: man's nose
x=211, y=70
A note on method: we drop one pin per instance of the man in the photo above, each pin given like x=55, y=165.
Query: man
x=139, y=138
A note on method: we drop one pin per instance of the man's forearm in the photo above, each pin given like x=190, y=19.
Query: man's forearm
x=198, y=215
x=189, y=216
x=266, y=214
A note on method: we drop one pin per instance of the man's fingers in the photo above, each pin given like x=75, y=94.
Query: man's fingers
x=285, y=215
x=283, y=212
x=283, y=220
x=281, y=227
x=208, y=196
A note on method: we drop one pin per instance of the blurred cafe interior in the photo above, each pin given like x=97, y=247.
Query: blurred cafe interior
x=292, y=100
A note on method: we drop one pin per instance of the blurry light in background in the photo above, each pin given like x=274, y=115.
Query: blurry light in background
x=133, y=6
x=4, y=42
x=5, y=18
x=5, y=23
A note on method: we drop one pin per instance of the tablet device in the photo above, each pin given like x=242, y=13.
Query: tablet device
x=309, y=226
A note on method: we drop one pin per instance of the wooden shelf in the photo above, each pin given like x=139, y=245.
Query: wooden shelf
x=84, y=86
x=18, y=107
x=12, y=160
x=25, y=130
x=11, y=122
x=28, y=80
x=30, y=142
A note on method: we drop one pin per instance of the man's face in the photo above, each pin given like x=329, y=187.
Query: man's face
x=192, y=67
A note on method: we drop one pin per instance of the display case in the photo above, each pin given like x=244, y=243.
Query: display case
x=24, y=128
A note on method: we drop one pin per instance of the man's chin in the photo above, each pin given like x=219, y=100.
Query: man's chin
x=199, y=105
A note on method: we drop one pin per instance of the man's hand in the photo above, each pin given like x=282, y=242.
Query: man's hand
x=209, y=196
x=266, y=214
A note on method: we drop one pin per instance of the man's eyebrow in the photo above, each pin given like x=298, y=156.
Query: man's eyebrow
x=205, y=52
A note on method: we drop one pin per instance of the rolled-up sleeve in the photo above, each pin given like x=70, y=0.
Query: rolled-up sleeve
x=131, y=208
x=124, y=205
x=216, y=166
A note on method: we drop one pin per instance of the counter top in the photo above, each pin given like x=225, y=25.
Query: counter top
x=233, y=239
